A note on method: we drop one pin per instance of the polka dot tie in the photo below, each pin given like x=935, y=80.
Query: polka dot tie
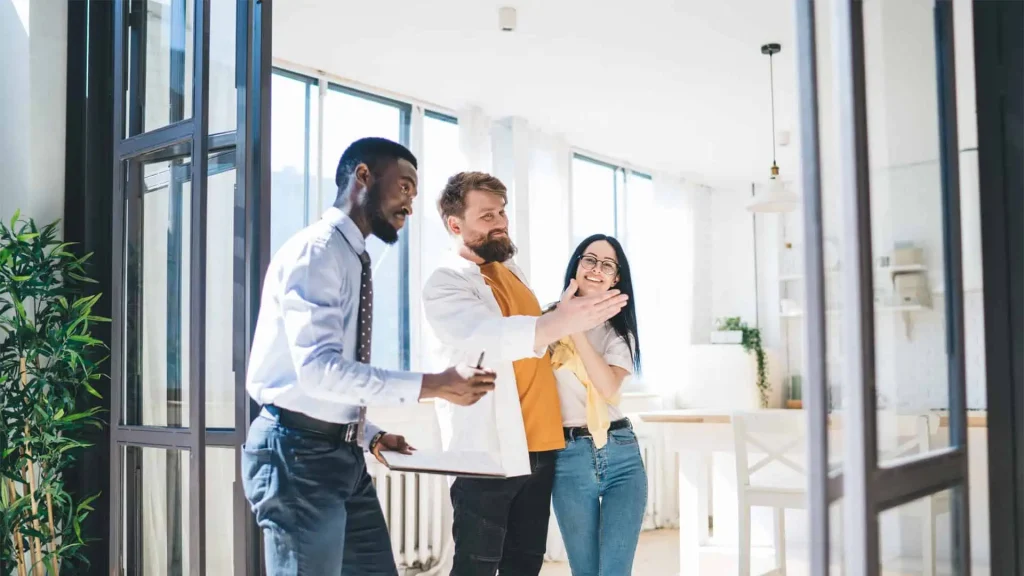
x=364, y=325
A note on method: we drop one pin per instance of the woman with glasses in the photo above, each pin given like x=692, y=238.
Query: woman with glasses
x=600, y=489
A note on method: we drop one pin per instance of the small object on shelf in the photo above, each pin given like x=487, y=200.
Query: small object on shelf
x=795, y=387
x=795, y=404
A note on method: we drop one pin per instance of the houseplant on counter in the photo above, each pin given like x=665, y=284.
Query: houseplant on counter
x=47, y=358
x=751, y=342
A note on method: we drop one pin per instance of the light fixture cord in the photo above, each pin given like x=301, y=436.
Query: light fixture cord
x=771, y=81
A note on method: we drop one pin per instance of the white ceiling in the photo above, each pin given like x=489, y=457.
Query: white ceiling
x=664, y=84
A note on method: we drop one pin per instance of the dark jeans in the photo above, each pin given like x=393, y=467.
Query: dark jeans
x=315, y=503
x=501, y=526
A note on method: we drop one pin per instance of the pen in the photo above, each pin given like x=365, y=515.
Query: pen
x=480, y=362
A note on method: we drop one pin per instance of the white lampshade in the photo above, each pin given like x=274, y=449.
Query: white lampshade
x=774, y=198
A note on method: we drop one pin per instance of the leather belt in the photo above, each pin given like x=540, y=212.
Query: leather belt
x=297, y=420
x=582, y=431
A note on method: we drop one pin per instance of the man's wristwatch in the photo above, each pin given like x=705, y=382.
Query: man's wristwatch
x=376, y=439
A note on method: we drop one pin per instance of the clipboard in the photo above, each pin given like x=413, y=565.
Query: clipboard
x=451, y=463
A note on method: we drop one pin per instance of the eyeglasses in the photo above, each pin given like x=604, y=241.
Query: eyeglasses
x=608, y=267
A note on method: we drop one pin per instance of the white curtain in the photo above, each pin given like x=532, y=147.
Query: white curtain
x=475, y=139
x=548, y=162
x=665, y=242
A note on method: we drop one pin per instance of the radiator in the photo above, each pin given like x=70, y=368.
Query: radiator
x=414, y=506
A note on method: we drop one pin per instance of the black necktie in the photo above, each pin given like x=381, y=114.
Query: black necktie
x=364, y=326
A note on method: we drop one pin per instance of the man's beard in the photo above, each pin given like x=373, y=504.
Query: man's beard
x=379, y=225
x=493, y=248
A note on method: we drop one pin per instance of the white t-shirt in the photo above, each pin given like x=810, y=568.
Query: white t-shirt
x=573, y=394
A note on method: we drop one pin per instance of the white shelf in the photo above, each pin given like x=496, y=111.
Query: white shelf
x=791, y=278
x=902, y=269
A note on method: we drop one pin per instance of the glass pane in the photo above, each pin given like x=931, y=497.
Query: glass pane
x=442, y=158
x=593, y=199
x=347, y=118
x=222, y=94
x=292, y=137
x=220, y=513
x=155, y=503
x=220, y=297
x=906, y=223
x=917, y=536
x=157, y=288
x=640, y=239
x=168, y=62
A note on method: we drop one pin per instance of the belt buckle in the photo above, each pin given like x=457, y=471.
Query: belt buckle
x=350, y=433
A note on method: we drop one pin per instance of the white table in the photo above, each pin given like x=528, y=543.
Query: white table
x=696, y=434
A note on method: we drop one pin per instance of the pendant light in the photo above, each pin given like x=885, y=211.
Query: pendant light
x=774, y=197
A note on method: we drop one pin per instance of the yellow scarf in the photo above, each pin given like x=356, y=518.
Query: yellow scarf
x=564, y=354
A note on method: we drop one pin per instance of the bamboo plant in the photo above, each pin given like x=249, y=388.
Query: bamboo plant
x=48, y=364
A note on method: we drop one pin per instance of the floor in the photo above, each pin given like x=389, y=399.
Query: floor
x=658, y=555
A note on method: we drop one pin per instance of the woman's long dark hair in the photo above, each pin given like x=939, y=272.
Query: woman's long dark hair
x=624, y=323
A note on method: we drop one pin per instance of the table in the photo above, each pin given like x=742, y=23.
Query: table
x=697, y=433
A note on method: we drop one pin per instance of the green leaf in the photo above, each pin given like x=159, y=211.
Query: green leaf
x=81, y=278
x=21, y=278
x=14, y=219
x=27, y=237
x=91, y=390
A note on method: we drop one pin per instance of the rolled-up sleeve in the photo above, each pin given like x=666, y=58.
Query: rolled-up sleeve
x=460, y=319
x=312, y=307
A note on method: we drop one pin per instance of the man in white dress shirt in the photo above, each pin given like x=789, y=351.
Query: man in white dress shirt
x=303, y=464
x=478, y=301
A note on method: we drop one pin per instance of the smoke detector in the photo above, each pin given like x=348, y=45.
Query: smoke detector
x=507, y=19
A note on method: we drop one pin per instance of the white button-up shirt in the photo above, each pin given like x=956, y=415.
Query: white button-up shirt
x=467, y=320
x=303, y=355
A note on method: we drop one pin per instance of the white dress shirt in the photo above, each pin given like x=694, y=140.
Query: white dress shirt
x=303, y=354
x=467, y=320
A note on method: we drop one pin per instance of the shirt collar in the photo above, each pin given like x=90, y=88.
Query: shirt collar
x=342, y=223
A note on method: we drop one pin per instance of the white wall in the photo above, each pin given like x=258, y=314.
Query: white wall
x=33, y=65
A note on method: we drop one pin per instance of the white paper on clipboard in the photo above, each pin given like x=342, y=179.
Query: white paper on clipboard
x=452, y=463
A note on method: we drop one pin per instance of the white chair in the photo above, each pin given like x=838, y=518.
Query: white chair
x=779, y=437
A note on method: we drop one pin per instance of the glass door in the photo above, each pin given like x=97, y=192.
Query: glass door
x=883, y=269
x=187, y=262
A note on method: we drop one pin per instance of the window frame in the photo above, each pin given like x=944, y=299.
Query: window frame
x=623, y=173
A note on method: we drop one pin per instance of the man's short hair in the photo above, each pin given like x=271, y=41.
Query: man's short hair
x=452, y=201
x=374, y=152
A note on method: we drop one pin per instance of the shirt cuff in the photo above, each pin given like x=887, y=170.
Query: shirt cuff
x=369, y=431
x=404, y=387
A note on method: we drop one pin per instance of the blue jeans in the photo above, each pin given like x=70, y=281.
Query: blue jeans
x=599, y=499
x=315, y=503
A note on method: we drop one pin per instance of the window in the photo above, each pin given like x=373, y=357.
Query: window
x=303, y=185
x=441, y=158
x=293, y=120
x=348, y=116
x=594, y=198
x=608, y=199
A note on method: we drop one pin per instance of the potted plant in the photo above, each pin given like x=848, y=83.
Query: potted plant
x=727, y=331
x=750, y=338
x=47, y=358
